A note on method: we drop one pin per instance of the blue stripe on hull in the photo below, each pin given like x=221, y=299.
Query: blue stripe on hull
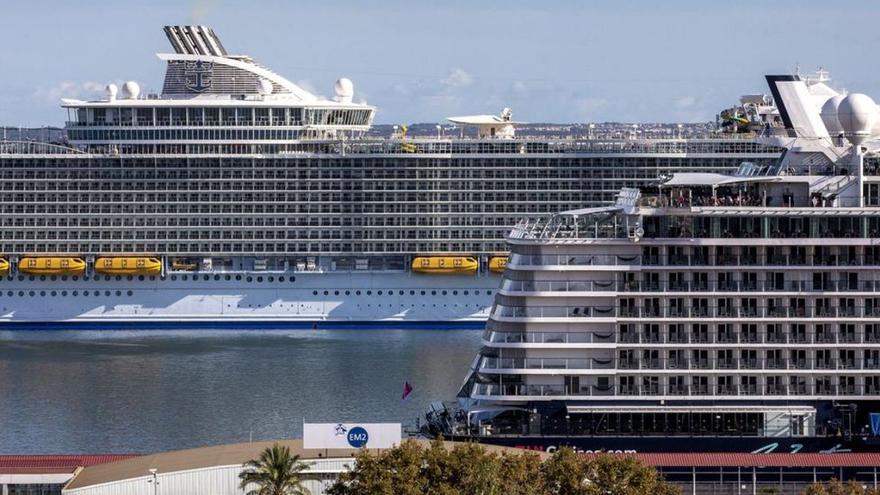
x=241, y=325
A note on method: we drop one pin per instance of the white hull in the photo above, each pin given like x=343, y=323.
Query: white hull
x=341, y=297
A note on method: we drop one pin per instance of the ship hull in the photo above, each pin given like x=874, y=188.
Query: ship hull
x=688, y=444
x=249, y=300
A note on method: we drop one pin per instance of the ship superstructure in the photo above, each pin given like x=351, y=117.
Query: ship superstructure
x=723, y=312
x=235, y=195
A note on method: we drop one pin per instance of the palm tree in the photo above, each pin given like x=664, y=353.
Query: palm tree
x=275, y=472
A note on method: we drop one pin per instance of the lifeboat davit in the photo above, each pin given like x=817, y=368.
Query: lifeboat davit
x=128, y=266
x=45, y=265
x=497, y=264
x=445, y=264
x=4, y=267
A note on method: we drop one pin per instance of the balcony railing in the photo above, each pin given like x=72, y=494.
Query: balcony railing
x=653, y=312
x=688, y=286
x=746, y=390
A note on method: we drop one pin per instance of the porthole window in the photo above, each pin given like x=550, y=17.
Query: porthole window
x=314, y=293
x=412, y=292
x=206, y=277
x=31, y=278
x=228, y=277
x=42, y=293
x=347, y=293
x=281, y=278
x=141, y=278
x=238, y=277
x=42, y=277
x=64, y=278
x=9, y=293
x=326, y=293
x=129, y=293
x=75, y=278
x=369, y=293
x=400, y=293
x=20, y=278
x=20, y=293
x=433, y=292
x=98, y=293
x=54, y=293
x=174, y=277
x=357, y=292
x=466, y=292
x=250, y=279
x=152, y=277
x=455, y=293
x=271, y=279
x=259, y=279
x=129, y=277
x=53, y=278
x=216, y=277
x=185, y=278
x=379, y=293
x=476, y=293
x=107, y=293
x=31, y=293
x=423, y=293
x=85, y=292
x=85, y=278
x=335, y=292
x=443, y=293
x=118, y=278
x=75, y=293
x=118, y=293
x=106, y=278
x=293, y=279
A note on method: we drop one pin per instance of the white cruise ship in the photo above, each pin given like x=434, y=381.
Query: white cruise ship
x=724, y=312
x=235, y=197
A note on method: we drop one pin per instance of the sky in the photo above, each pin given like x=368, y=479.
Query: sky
x=422, y=61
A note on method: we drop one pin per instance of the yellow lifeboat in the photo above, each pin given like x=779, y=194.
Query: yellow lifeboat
x=128, y=266
x=445, y=264
x=4, y=267
x=497, y=264
x=52, y=266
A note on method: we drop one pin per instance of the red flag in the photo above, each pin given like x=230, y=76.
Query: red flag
x=407, y=389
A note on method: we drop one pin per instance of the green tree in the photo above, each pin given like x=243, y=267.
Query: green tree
x=565, y=474
x=471, y=469
x=836, y=487
x=392, y=472
x=275, y=472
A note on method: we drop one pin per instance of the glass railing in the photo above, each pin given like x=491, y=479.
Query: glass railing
x=749, y=390
x=762, y=312
x=689, y=286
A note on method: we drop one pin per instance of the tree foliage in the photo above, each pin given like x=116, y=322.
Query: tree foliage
x=275, y=472
x=472, y=469
x=836, y=487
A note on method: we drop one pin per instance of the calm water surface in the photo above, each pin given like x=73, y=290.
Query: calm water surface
x=140, y=391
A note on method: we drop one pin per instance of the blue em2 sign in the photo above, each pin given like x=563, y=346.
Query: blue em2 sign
x=351, y=435
x=358, y=437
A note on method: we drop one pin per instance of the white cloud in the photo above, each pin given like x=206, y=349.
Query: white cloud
x=457, y=78
x=70, y=89
x=686, y=102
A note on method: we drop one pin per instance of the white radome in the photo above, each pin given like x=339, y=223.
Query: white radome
x=111, y=90
x=344, y=87
x=829, y=115
x=265, y=87
x=857, y=113
x=131, y=90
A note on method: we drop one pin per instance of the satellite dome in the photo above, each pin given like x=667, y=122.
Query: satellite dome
x=856, y=114
x=344, y=89
x=829, y=115
x=131, y=90
x=265, y=87
x=111, y=91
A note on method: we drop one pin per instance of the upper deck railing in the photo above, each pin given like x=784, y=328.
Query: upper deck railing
x=36, y=148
